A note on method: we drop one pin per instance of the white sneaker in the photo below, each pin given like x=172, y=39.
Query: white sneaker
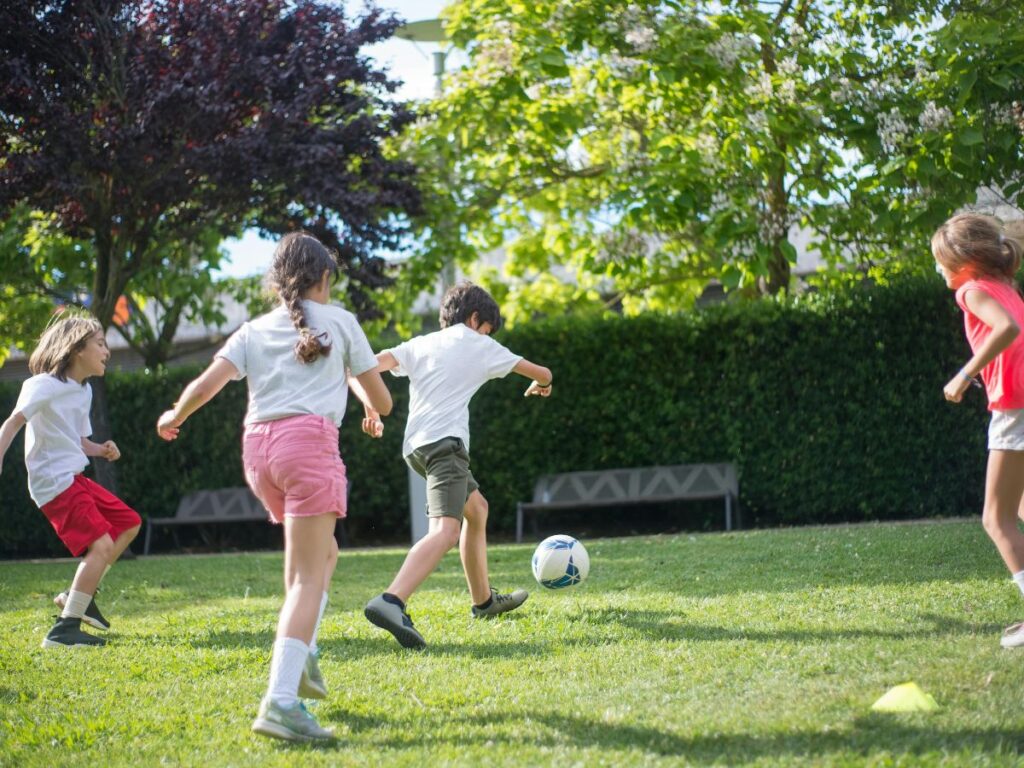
x=1013, y=636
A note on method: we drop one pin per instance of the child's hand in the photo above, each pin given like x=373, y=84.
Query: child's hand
x=536, y=388
x=372, y=425
x=955, y=388
x=168, y=426
x=109, y=451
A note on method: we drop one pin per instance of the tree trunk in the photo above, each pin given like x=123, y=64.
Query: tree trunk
x=100, y=418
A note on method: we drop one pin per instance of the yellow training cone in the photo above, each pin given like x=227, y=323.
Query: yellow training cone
x=905, y=698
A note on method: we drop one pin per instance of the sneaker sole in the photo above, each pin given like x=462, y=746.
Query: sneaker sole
x=483, y=615
x=276, y=731
x=309, y=690
x=406, y=638
x=47, y=643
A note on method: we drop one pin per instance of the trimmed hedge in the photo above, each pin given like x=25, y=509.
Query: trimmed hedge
x=831, y=406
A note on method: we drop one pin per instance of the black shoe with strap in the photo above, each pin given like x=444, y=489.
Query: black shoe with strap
x=68, y=632
x=92, y=616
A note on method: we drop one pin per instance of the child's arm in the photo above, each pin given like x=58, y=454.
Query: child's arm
x=107, y=450
x=372, y=425
x=541, y=384
x=1004, y=331
x=196, y=395
x=7, y=432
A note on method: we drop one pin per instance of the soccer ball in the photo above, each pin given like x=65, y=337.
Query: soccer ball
x=560, y=561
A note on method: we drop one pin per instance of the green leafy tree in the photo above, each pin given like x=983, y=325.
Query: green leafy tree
x=649, y=147
x=952, y=124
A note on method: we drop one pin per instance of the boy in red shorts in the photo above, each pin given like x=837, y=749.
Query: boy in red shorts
x=90, y=520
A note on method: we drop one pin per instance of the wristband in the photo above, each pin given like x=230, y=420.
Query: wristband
x=543, y=386
x=971, y=379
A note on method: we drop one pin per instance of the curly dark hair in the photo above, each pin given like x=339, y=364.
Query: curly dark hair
x=300, y=261
x=462, y=300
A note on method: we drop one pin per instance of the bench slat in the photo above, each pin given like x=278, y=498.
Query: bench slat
x=601, y=488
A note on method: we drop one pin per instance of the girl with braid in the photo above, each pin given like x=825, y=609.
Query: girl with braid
x=300, y=360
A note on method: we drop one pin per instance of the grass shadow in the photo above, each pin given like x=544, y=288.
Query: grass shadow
x=665, y=626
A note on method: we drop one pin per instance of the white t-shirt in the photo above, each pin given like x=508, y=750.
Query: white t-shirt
x=279, y=385
x=445, y=370
x=57, y=413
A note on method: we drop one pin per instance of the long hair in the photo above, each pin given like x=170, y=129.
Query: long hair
x=977, y=244
x=460, y=302
x=300, y=261
x=60, y=343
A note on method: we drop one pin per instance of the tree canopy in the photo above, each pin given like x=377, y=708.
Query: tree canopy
x=142, y=127
x=646, y=148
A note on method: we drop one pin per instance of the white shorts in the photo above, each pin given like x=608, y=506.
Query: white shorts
x=1006, y=431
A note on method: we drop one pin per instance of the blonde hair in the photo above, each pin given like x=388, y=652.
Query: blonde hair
x=59, y=344
x=300, y=261
x=977, y=244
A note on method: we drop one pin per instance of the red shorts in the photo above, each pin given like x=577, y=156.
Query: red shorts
x=85, y=512
x=293, y=467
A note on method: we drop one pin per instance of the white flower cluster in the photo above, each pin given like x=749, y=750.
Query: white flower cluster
x=708, y=147
x=758, y=121
x=624, y=66
x=730, y=48
x=719, y=203
x=923, y=74
x=643, y=39
x=892, y=129
x=496, y=59
x=761, y=88
x=1002, y=114
x=934, y=118
x=772, y=226
x=846, y=93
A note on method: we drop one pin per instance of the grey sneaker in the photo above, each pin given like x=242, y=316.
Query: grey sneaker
x=389, y=616
x=311, y=684
x=68, y=632
x=1013, y=636
x=293, y=724
x=501, y=603
x=92, y=616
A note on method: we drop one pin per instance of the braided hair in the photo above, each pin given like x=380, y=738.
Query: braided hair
x=300, y=261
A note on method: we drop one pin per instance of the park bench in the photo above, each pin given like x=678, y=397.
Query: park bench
x=226, y=505
x=640, y=485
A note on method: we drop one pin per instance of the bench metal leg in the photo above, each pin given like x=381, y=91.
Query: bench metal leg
x=519, y=523
x=149, y=533
x=728, y=511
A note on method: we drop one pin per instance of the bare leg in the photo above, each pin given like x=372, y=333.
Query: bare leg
x=332, y=563
x=1004, y=493
x=121, y=543
x=307, y=544
x=473, y=547
x=93, y=564
x=423, y=558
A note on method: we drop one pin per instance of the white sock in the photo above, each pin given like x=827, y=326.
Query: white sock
x=76, y=604
x=1018, y=579
x=313, y=648
x=286, y=664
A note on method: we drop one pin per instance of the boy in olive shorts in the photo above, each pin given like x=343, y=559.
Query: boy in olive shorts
x=445, y=370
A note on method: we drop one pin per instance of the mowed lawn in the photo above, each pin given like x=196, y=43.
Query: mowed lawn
x=752, y=648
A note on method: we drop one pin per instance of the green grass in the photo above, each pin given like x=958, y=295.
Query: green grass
x=752, y=648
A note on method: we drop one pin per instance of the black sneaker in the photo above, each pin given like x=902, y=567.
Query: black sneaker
x=92, y=616
x=67, y=632
x=501, y=603
x=389, y=616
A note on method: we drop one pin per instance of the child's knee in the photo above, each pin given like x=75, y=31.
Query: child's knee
x=103, y=547
x=476, y=509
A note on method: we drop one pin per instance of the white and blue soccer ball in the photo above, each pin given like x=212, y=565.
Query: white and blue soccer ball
x=560, y=561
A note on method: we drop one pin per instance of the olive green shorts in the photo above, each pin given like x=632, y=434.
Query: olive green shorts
x=445, y=465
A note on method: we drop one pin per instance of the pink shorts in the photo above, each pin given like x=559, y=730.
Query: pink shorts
x=85, y=512
x=293, y=467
